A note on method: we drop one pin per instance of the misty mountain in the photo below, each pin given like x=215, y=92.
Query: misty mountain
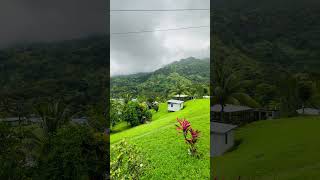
x=157, y=83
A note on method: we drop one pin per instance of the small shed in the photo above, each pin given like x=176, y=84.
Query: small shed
x=175, y=105
x=221, y=137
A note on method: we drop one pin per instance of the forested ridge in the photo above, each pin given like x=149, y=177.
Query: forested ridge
x=273, y=44
x=160, y=82
x=73, y=70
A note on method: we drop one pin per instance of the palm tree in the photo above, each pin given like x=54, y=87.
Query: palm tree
x=178, y=89
x=53, y=115
x=305, y=88
x=228, y=88
x=127, y=97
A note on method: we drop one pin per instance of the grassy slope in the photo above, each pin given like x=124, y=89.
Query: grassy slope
x=166, y=149
x=283, y=148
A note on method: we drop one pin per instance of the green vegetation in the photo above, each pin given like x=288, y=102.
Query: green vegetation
x=45, y=86
x=187, y=74
x=228, y=88
x=281, y=149
x=73, y=71
x=129, y=163
x=270, y=50
x=273, y=46
x=166, y=150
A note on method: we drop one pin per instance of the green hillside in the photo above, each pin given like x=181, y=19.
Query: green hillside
x=273, y=149
x=271, y=44
x=159, y=82
x=72, y=70
x=161, y=143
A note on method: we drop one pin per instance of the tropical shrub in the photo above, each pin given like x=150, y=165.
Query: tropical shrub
x=130, y=113
x=96, y=116
x=190, y=135
x=115, y=112
x=127, y=162
x=74, y=152
x=12, y=157
x=152, y=104
x=136, y=113
x=53, y=115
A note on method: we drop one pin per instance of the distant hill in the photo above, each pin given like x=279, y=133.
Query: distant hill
x=269, y=42
x=286, y=33
x=72, y=69
x=157, y=83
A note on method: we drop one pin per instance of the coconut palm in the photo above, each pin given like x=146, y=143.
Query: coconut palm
x=178, y=89
x=127, y=97
x=228, y=88
x=53, y=115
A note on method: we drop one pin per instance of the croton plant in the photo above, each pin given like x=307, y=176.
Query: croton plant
x=190, y=135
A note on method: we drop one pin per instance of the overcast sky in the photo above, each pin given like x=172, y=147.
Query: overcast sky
x=149, y=51
x=50, y=20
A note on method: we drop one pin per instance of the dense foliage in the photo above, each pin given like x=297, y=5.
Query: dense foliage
x=128, y=161
x=74, y=70
x=136, y=113
x=185, y=74
x=270, y=43
x=45, y=86
x=74, y=152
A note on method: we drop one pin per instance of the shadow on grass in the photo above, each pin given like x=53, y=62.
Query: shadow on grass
x=117, y=130
x=236, y=145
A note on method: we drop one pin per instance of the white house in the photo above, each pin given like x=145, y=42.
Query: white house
x=221, y=137
x=175, y=105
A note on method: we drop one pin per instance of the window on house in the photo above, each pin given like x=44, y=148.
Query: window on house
x=171, y=104
x=226, y=138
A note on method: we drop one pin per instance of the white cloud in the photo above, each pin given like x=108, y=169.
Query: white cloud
x=149, y=51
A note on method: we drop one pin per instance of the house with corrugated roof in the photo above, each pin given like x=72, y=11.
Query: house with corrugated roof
x=237, y=113
x=221, y=137
x=175, y=105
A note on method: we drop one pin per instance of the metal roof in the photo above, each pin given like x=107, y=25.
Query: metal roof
x=309, y=111
x=222, y=128
x=229, y=108
x=175, y=101
x=181, y=95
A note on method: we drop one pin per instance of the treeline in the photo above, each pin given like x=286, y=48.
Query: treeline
x=132, y=112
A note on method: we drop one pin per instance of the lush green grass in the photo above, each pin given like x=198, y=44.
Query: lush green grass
x=274, y=149
x=166, y=149
x=120, y=127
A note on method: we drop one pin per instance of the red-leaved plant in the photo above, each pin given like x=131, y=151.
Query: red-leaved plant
x=190, y=135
